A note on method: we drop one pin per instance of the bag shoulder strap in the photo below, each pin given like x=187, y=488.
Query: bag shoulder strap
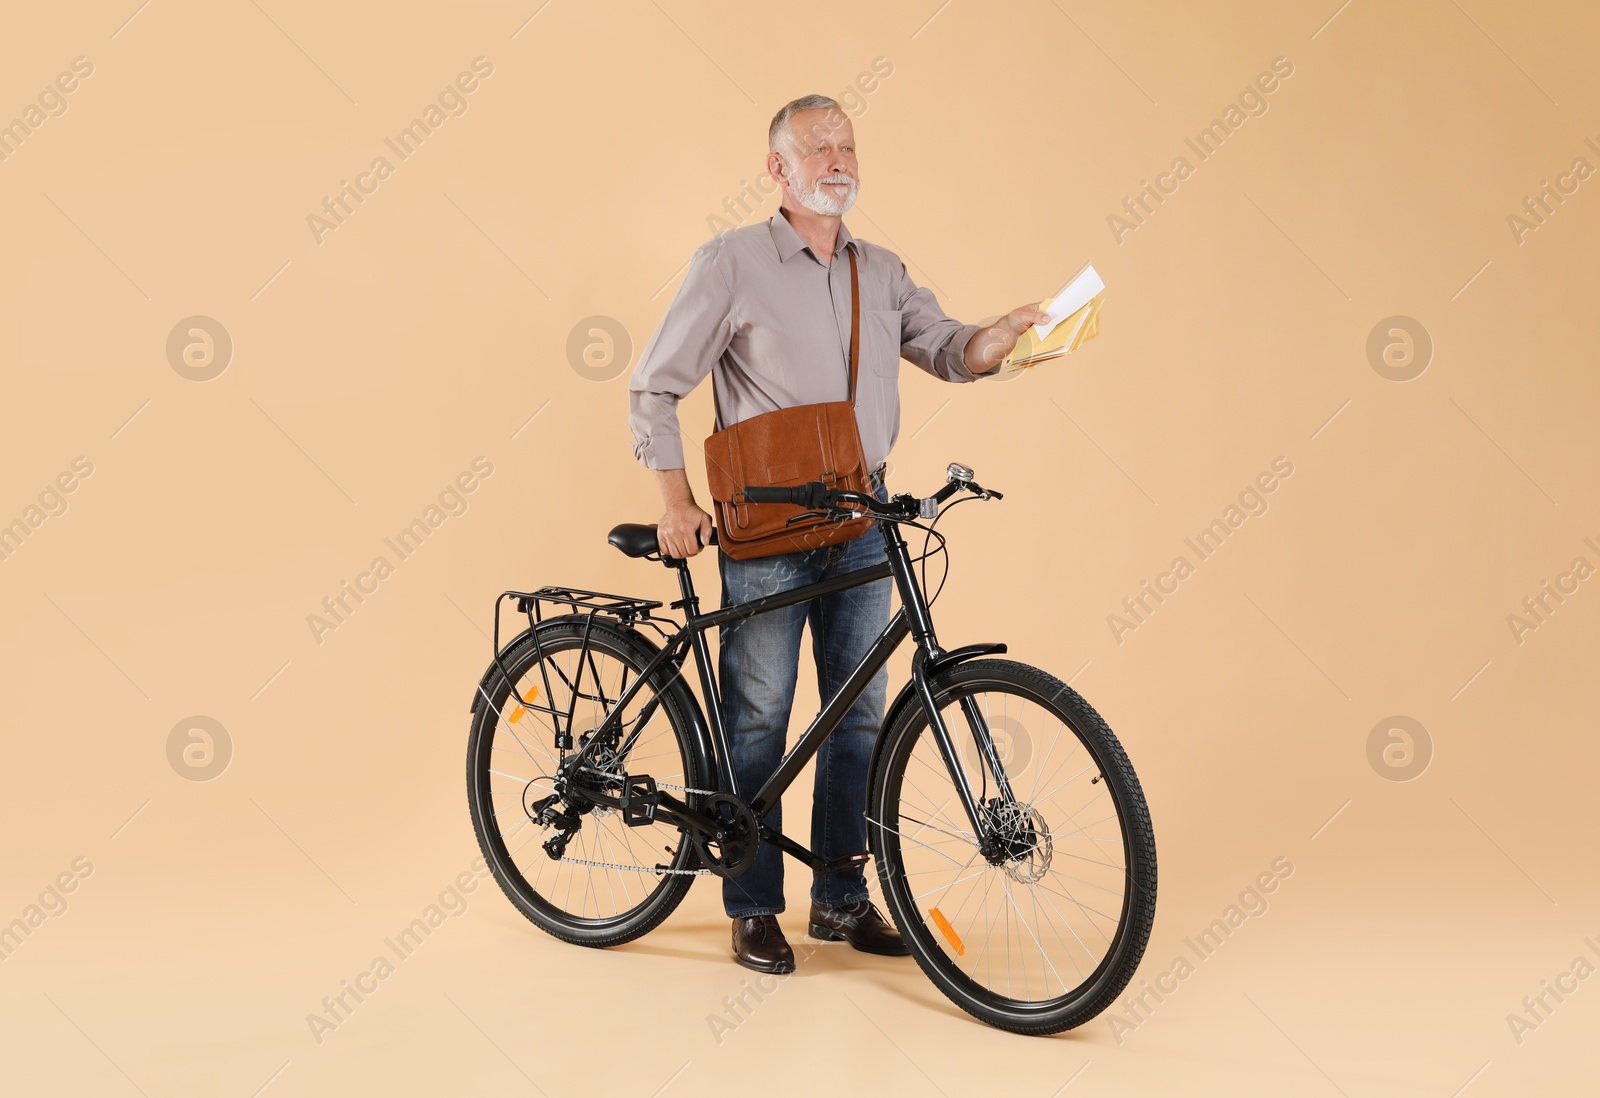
x=855, y=321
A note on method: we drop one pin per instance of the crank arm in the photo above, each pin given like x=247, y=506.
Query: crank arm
x=800, y=853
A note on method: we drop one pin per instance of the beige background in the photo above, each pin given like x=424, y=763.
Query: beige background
x=370, y=369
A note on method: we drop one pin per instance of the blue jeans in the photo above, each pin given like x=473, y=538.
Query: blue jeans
x=758, y=667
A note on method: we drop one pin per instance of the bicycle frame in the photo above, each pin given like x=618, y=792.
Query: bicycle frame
x=912, y=618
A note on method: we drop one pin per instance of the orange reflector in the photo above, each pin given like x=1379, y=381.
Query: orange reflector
x=948, y=931
x=517, y=712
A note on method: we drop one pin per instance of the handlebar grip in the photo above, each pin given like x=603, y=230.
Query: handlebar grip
x=805, y=495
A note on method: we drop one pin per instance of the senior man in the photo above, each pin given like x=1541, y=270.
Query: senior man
x=766, y=309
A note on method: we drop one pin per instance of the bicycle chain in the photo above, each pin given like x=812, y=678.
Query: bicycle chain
x=654, y=870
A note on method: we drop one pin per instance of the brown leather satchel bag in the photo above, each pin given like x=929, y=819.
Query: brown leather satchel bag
x=784, y=448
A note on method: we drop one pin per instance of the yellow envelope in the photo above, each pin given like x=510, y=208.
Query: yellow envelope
x=1064, y=338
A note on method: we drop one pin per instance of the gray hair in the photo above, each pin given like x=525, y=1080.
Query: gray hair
x=789, y=110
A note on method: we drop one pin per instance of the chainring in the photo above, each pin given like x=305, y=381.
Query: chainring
x=735, y=853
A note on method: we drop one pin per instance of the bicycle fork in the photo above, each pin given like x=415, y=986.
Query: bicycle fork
x=928, y=659
x=987, y=755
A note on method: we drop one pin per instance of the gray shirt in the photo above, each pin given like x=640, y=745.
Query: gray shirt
x=771, y=321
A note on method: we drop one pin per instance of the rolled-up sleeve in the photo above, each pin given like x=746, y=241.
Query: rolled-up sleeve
x=696, y=330
x=929, y=339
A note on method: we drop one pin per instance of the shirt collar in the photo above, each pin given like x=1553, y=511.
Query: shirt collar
x=789, y=242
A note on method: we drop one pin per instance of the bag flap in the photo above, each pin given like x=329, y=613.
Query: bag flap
x=722, y=472
x=847, y=458
x=783, y=448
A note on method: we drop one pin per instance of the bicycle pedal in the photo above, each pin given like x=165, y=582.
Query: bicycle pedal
x=638, y=800
x=849, y=861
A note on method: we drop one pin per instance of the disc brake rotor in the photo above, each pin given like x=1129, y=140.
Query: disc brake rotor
x=1022, y=838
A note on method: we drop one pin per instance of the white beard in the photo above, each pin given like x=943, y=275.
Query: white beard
x=823, y=202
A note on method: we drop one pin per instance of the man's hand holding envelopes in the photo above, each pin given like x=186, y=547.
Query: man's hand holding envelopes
x=1073, y=318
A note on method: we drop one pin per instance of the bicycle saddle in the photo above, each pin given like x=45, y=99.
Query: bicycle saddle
x=636, y=539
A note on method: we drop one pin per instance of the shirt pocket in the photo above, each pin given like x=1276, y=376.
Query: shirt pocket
x=880, y=342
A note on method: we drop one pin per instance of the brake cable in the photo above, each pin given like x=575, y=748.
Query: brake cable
x=943, y=547
x=929, y=530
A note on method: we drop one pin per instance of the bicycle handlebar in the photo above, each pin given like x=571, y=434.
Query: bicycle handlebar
x=805, y=495
x=815, y=495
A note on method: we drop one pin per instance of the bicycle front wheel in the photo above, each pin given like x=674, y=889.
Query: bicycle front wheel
x=1041, y=930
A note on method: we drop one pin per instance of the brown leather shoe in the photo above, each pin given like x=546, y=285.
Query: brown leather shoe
x=860, y=925
x=758, y=943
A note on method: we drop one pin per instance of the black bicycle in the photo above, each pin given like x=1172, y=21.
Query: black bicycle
x=1011, y=837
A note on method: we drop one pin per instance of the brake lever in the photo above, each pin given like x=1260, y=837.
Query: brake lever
x=929, y=508
x=835, y=515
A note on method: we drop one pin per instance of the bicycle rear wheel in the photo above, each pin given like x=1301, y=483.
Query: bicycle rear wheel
x=612, y=882
x=1041, y=931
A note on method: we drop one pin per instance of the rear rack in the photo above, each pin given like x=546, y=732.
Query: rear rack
x=619, y=606
x=541, y=606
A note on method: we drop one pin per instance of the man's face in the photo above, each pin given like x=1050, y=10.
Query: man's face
x=817, y=162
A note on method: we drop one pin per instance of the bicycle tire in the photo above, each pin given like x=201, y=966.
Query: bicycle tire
x=933, y=946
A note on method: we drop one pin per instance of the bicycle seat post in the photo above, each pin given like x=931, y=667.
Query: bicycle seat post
x=690, y=602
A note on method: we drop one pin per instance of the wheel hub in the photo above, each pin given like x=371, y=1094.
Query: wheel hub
x=1019, y=840
x=575, y=788
x=600, y=774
